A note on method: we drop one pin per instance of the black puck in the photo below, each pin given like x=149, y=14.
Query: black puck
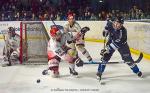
x=38, y=81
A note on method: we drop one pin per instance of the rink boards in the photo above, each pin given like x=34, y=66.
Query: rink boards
x=138, y=32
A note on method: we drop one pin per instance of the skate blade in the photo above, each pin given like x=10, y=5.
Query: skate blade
x=74, y=76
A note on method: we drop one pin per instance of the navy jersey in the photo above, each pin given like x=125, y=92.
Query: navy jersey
x=116, y=37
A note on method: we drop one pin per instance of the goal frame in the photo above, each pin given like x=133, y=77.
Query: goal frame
x=23, y=36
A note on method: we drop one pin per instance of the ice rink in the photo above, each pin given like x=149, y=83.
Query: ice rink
x=118, y=78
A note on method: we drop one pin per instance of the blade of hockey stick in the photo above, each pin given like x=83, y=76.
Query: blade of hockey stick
x=139, y=59
x=115, y=62
x=100, y=62
x=45, y=71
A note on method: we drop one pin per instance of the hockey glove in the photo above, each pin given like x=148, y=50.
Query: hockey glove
x=105, y=33
x=71, y=41
x=109, y=26
x=104, y=52
x=109, y=49
x=84, y=30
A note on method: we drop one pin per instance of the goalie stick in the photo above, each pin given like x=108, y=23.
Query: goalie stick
x=115, y=62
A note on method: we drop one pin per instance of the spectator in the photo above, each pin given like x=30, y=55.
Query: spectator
x=58, y=10
x=93, y=17
x=103, y=15
x=34, y=17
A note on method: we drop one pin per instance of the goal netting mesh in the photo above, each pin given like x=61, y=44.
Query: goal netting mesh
x=33, y=43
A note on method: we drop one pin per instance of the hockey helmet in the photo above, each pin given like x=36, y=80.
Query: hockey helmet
x=70, y=16
x=54, y=31
x=119, y=19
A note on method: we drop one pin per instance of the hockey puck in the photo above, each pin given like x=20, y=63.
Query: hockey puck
x=38, y=81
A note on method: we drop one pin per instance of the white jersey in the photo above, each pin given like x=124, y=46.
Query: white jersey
x=12, y=42
x=11, y=48
x=74, y=32
x=57, y=46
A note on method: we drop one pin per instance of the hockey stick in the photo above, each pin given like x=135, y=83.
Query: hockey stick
x=53, y=22
x=115, y=62
x=104, y=42
x=45, y=72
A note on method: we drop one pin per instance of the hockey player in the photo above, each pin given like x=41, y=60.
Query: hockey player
x=77, y=35
x=57, y=50
x=11, y=48
x=117, y=41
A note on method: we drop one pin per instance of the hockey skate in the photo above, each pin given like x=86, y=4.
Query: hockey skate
x=139, y=74
x=73, y=72
x=99, y=75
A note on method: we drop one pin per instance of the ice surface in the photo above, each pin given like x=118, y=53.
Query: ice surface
x=118, y=78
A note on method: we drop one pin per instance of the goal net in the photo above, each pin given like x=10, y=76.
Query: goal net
x=33, y=43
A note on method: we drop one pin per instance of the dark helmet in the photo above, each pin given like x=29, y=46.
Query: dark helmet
x=119, y=19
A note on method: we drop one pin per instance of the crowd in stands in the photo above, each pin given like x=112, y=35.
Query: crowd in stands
x=42, y=10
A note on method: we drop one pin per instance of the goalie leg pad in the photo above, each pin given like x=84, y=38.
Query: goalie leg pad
x=14, y=57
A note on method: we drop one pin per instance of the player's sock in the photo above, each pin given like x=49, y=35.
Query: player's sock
x=135, y=69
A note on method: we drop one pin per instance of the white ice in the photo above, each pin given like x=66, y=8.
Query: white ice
x=118, y=78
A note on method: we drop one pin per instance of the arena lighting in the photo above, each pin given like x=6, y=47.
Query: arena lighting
x=100, y=1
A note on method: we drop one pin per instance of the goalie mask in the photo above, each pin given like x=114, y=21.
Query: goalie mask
x=11, y=31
